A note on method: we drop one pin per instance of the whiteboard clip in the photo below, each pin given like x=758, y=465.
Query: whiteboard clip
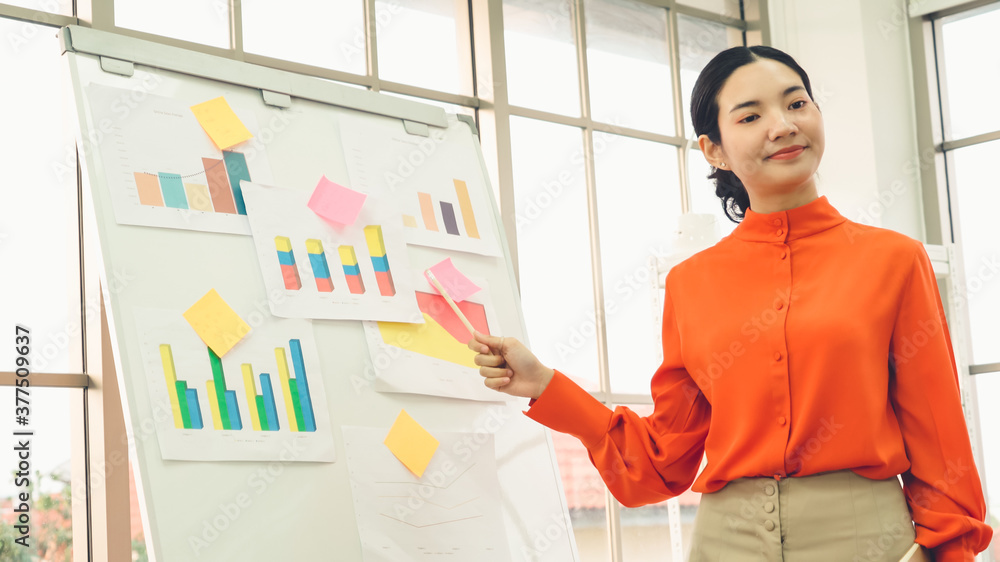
x=415, y=128
x=116, y=66
x=276, y=99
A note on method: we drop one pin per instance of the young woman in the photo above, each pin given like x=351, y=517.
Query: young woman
x=805, y=356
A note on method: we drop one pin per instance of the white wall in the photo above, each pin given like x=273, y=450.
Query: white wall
x=858, y=59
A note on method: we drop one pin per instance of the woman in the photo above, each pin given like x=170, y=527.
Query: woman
x=806, y=356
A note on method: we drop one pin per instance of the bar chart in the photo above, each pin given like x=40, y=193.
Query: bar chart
x=166, y=172
x=320, y=270
x=242, y=406
x=429, y=212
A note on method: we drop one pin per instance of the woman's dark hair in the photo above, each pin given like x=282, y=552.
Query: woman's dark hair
x=705, y=114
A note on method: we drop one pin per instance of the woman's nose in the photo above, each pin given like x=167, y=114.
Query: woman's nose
x=782, y=126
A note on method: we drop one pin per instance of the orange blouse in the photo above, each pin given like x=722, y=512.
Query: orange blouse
x=819, y=344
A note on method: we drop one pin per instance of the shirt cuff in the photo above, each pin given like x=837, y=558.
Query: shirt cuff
x=567, y=408
x=954, y=551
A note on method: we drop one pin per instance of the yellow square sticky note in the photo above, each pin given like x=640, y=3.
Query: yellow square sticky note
x=215, y=323
x=221, y=123
x=411, y=444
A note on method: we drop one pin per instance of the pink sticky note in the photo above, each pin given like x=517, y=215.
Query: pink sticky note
x=459, y=286
x=336, y=203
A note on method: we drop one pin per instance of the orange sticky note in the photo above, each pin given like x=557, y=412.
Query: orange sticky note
x=412, y=444
x=216, y=323
x=221, y=123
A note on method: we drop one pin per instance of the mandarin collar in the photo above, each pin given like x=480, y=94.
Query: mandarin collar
x=781, y=226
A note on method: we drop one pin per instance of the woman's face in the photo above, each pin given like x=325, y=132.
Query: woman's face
x=764, y=109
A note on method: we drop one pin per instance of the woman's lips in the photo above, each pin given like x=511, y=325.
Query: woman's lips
x=787, y=155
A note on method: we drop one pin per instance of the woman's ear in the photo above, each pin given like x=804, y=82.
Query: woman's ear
x=711, y=151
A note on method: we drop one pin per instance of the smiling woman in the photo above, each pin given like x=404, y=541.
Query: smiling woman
x=810, y=383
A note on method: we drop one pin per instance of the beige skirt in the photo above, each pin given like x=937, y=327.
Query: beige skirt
x=835, y=516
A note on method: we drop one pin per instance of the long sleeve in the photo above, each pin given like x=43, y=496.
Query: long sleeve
x=642, y=460
x=942, y=485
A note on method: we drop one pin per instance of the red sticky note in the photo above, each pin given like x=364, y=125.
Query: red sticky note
x=335, y=202
x=458, y=286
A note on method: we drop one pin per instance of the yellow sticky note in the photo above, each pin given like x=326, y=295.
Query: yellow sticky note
x=411, y=444
x=215, y=323
x=221, y=123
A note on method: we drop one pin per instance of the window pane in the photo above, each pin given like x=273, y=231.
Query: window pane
x=541, y=55
x=971, y=58
x=700, y=40
x=988, y=393
x=332, y=36
x=629, y=61
x=425, y=43
x=703, y=198
x=730, y=8
x=38, y=209
x=189, y=20
x=978, y=200
x=47, y=478
x=639, y=200
x=63, y=7
x=646, y=532
x=553, y=247
x=585, y=497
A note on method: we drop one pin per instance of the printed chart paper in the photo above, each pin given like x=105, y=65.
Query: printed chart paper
x=357, y=272
x=264, y=401
x=450, y=513
x=441, y=186
x=163, y=170
x=433, y=357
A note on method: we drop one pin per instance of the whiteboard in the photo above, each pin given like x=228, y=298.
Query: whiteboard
x=279, y=509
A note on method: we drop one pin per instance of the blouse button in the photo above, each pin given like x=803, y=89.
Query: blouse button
x=769, y=525
x=777, y=222
x=780, y=232
x=780, y=305
x=781, y=420
x=769, y=507
x=784, y=254
x=769, y=489
x=777, y=356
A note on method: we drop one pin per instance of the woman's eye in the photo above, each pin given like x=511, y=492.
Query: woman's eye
x=748, y=118
x=802, y=102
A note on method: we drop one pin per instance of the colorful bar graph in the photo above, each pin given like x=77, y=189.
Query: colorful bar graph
x=214, y=405
x=286, y=259
x=148, y=187
x=236, y=168
x=262, y=413
x=167, y=358
x=427, y=211
x=251, y=392
x=180, y=388
x=218, y=186
x=448, y=216
x=298, y=364
x=380, y=261
x=197, y=197
x=286, y=392
x=465, y=205
x=352, y=272
x=271, y=412
x=173, y=190
x=194, y=409
x=234, y=411
x=219, y=380
x=321, y=269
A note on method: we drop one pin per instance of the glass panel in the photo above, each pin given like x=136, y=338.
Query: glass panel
x=38, y=209
x=332, y=36
x=639, y=202
x=646, y=532
x=703, y=198
x=988, y=394
x=425, y=43
x=585, y=497
x=189, y=20
x=629, y=59
x=553, y=247
x=700, y=40
x=62, y=7
x=978, y=200
x=45, y=476
x=971, y=56
x=541, y=55
x=728, y=8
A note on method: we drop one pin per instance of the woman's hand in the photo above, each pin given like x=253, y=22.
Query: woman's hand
x=509, y=366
